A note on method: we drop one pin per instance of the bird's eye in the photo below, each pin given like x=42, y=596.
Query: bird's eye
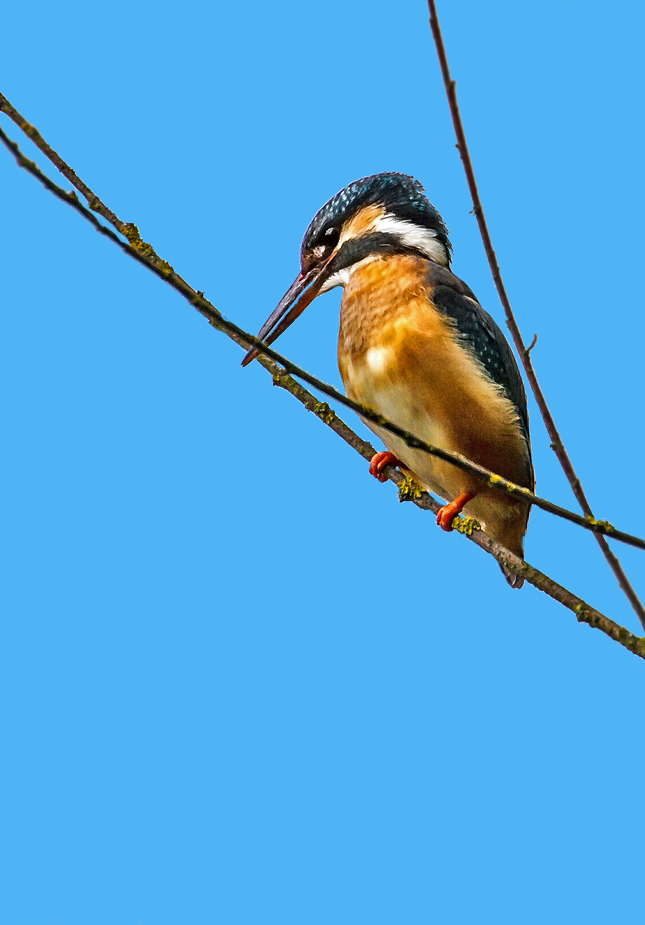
x=330, y=237
x=325, y=243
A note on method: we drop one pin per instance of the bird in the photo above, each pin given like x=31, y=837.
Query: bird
x=416, y=346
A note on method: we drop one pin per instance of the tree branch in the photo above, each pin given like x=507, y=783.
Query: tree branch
x=163, y=269
x=524, y=354
x=408, y=489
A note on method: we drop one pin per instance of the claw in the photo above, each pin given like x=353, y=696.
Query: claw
x=448, y=512
x=379, y=461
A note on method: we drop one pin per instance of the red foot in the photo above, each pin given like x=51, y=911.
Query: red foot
x=448, y=512
x=380, y=461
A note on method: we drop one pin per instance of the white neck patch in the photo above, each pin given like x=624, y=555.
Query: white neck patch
x=416, y=236
x=423, y=239
x=341, y=278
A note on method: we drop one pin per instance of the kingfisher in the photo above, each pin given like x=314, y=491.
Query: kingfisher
x=416, y=346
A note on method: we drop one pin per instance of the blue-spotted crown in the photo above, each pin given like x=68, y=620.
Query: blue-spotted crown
x=401, y=195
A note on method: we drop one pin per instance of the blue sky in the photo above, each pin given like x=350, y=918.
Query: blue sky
x=240, y=683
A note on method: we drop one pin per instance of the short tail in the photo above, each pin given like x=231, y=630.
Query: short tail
x=509, y=532
x=514, y=580
x=511, y=537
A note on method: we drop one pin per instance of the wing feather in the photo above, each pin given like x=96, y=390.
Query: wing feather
x=483, y=338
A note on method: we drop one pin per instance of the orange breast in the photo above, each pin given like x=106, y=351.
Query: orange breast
x=400, y=356
x=376, y=300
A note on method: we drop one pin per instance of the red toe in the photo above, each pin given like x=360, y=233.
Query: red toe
x=379, y=461
x=448, y=512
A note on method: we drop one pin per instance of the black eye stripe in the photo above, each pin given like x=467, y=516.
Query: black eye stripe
x=330, y=237
x=356, y=249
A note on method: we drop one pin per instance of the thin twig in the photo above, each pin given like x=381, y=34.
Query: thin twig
x=532, y=344
x=408, y=490
x=127, y=229
x=556, y=441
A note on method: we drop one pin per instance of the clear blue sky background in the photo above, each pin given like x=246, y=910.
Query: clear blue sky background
x=240, y=683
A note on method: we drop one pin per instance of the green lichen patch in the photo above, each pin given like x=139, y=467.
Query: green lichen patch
x=409, y=490
x=581, y=612
x=146, y=250
x=131, y=232
x=323, y=411
x=466, y=525
x=604, y=524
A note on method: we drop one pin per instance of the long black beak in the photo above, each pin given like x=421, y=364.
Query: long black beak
x=298, y=296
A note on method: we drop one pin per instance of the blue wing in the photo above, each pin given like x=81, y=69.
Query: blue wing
x=483, y=338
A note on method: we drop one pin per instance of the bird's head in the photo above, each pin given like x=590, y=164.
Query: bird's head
x=387, y=213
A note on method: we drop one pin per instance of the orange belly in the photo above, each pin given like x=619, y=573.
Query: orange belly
x=401, y=357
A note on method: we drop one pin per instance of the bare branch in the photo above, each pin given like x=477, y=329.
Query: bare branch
x=556, y=441
x=408, y=489
x=127, y=229
x=163, y=269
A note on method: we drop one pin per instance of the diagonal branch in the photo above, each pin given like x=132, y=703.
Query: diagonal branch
x=524, y=353
x=408, y=490
x=163, y=269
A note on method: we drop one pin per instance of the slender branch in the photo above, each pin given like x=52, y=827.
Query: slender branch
x=127, y=229
x=556, y=441
x=163, y=269
x=408, y=489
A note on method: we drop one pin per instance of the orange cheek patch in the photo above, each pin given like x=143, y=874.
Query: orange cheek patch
x=363, y=222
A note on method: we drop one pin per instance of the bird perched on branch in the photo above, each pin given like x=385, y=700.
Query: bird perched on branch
x=416, y=346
